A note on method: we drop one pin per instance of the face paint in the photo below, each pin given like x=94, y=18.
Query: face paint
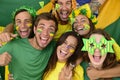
x=41, y=4
x=71, y=50
x=86, y=27
x=29, y=24
x=84, y=10
x=39, y=30
x=17, y=28
x=104, y=46
x=57, y=6
x=52, y=34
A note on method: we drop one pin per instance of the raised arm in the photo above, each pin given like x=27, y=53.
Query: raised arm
x=5, y=58
x=9, y=28
x=7, y=34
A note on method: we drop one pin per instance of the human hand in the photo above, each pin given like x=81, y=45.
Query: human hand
x=91, y=73
x=66, y=73
x=6, y=37
x=10, y=77
x=5, y=58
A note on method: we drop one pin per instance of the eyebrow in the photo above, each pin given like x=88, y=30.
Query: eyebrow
x=24, y=20
x=41, y=24
x=70, y=44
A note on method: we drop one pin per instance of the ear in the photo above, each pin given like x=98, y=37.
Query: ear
x=35, y=28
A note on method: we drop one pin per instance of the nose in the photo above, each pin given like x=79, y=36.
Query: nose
x=97, y=51
x=64, y=7
x=45, y=32
x=67, y=47
x=22, y=25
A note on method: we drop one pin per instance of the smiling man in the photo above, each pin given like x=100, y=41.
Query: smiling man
x=27, y=58
x=62, y=14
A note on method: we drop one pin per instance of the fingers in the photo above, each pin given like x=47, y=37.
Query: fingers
x=13, y=35
x=69, y=77
x=65, y=74
x=71, y=66
x=10, y=77
x=5, y=59
x=6, y=37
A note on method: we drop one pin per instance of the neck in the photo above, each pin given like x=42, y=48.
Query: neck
x=99, y=67
x=63, y=22
x=34, y=43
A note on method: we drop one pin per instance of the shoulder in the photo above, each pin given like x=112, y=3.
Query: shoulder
x=79, y=68
x=52, y=44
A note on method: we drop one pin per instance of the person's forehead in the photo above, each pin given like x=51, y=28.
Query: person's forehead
x=97, y=37
x=48, y=23
x=23, y=14
x=81, y=16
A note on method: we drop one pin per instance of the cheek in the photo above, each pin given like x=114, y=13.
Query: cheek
x=104, y=57
x=69, y=7
x=50, y=38
x=90, y=57
x=68, y=55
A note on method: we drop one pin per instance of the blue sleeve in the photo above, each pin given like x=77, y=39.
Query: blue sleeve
x=82, y=2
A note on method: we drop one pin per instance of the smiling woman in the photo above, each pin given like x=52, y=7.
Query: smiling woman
x=100, y=53
x=66, y=53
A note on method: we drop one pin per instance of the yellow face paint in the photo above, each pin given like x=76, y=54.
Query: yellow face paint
x=29, y=25
x=87, y=27
x=72, y=50
x=17, y=28
x=52, y=34
x=39, y=30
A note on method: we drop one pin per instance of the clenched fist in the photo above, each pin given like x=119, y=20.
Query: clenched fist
x=5, y=59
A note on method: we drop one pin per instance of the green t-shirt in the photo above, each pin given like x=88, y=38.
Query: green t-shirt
x=85, y=65
x=27, y=62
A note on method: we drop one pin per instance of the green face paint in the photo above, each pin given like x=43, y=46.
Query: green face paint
x=17, y=28
x=39, y=30
x=86, y=27
x=104, y=46
x=57, y=6
x=52, y=34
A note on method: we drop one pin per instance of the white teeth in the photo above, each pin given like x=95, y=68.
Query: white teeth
x=44, y=38
x=23, y=30
x=64, y=12
x=63, y=52
x=80, y=29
